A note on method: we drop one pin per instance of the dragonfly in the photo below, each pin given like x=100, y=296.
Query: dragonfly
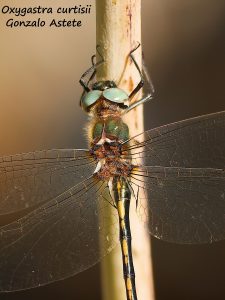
x=74, y=203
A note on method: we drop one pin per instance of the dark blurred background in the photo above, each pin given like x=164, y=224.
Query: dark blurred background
x=184, y=47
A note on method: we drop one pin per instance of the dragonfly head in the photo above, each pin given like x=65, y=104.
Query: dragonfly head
x=104, y=90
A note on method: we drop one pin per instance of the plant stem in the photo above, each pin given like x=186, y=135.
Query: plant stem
x=118, y=32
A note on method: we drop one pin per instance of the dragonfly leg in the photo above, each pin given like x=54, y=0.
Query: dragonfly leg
x=145, y=78
x=92, y=70
x=141, y=82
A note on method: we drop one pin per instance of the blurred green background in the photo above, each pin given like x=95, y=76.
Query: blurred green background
x=184, y=48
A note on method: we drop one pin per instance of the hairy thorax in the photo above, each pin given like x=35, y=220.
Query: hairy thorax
x=107, y=134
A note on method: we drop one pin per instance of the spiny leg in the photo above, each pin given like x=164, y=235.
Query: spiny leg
x=141, y=82
x=145, y=78
x=92, y=70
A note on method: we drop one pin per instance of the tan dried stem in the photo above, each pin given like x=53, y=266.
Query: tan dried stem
x=118, y=32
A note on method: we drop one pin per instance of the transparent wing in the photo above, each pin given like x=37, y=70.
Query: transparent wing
x=181, y=205
x=59, y=239
x=193, y=143
x=31, y=178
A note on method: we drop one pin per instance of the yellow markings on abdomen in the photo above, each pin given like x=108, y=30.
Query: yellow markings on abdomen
x=129, y=288
x=122, y=224
x=125, y=250
x=121, y=210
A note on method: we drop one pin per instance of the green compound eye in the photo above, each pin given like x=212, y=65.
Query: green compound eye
x=90, y=98
x=115, y=95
